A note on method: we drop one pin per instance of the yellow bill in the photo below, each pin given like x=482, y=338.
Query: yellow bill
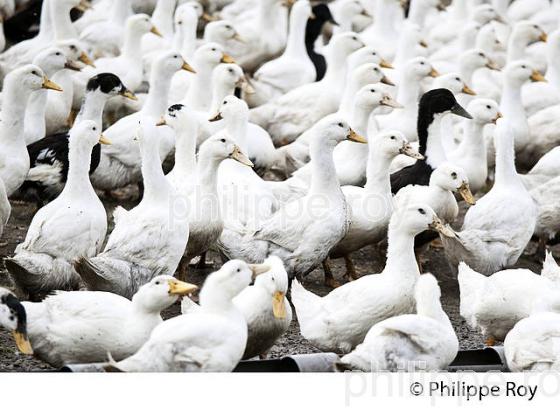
x=353, y=136
x=104, y=140
x=279, y=305
x=22, y=342
x=180, y=288
x=241, y=157
x=49, y=85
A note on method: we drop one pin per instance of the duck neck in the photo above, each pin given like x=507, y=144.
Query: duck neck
x=511, y=104
x=296, y=37
x=62, y=24
x=435, y=153
x=459, y=10
x=35, y=122
x=92, y=108
x=400, y=253
x=237, y=128
x=473, y=145
x=553, y=68
x=185, y=150
x=156, y=102
x=347, y=102
x=162, y=17
x=430, y=306
x=213, y=298
x=207, y=173
x=152, y=173
x=324, y=179
x=121, y=10
x=516, y=47
x=360, y=118
x=417, y=13
x=336, y=68
x=384, y=18
x=466, y=70
x=185, y=38
x=378, y=178
x=13, y=110
x=408, y=92
x=46, y=23
x=197, y=96
x=506, y=174
x=79, y=162
x=132, y=46
x=220, y=92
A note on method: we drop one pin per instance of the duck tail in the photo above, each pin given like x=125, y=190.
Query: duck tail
x=307, y=305
x=470, y=284
x=39, y=274
x=550, y=268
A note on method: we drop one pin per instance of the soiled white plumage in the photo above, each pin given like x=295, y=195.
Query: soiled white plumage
x=5, y=207
x=82, y=327
x=494, y=304
x=148, y=240
x=340, y=321
x=497, y=229
x=424, y=341
x=211, y=339
x=70, y=227
x=534, y=343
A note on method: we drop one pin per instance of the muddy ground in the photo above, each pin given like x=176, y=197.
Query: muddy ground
x=368, y=260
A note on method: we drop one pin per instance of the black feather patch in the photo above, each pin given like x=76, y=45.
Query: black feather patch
x=18, y=310
x=106, y=82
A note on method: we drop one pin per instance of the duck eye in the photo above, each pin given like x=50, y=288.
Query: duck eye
x=72, y=47
x=341, y=125
x=95, y=128
x=457, y=79
x=481, y=54
x=238, y=270
x=422, y=63
x=421, y=211
x=354, y=38
x=225, y=102
x=175, y=56
x=372, y=91
x=157, y=282
x=376, y=69
x=223, y=140
x=57, y=53
x=228, y=27
x=488, y=107
x=230, y=70
x=523, y=66
x=34, y=72
x=213, y=49
x=393, y=137
x=454, y=175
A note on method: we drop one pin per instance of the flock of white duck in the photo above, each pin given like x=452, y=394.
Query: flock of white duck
x=244, y=123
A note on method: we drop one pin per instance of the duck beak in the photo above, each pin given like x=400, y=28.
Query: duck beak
x=259, y=269
x=227, y=59
x=71, y=65
x=49, y=85
x=434, y=73
x=161, y=122
x=498, y=116
x=408, y=150
x=385, y=64
x=389, y=101
x=279, y=305
x=385, y=80
x=353, y=136
x=466, y=194
x=333, y=22
x=543, y=37
x=83, y=6
x=423, y=44
x=217, y=117
x=467, y=90
x=154, y=30
x=22, y=342
x=312, y=16
x=180, y=288
x=245, y=85
x=128, y=94
x=536, y=76
x=84, y=58
x=187, y=67
x=208, y=18
x=241, y=157
x=460, y=111
x=438, y=226
x=104, y=140
x=492, y=65
x=288, y=3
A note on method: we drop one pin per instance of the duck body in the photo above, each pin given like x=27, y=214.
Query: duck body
x=494, y=304
x=413, y=342
x=72, y=226
x=81, y=327
x=533, y=344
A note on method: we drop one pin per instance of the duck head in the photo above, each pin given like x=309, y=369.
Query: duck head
x=484, y=110
x=453, y=179
x=416, y=218
x=161, y=292
x=454, y=83
x=275, y=283
x=392, y=143
x=110, y=85
x=221, y=147
x=14, y=318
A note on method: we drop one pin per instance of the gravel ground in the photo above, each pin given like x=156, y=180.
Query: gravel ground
x=368, y=260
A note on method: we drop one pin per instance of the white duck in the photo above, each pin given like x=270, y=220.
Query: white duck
x=14, y=319
x=425, y=341
x=72, y=226
x=292, y=69
x=148, y=240
x=303, y=239
x=120, y=165
x=497, y=229
x=340, y=320
x=5, y=208
x=212, y=339
x=371, y=207
x=81, y=327
x=14, y=159
x=471, y=154
x=291, y=114
x=264, y=306
x=221, y=32
x=494, y=304
x=534, y=344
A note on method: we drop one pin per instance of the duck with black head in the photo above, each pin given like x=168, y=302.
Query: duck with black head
x=14, y=318
x=313, y=30
x=434, y=105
